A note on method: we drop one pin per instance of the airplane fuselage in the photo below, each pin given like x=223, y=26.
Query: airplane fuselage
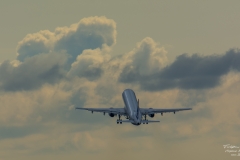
x=132, y=106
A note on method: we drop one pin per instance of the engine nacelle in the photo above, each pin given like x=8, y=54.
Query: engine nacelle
x=151, y=115
x=111, y=114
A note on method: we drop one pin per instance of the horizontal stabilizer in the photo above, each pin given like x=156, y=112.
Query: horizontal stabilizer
x=129, y=121
x=148, y=121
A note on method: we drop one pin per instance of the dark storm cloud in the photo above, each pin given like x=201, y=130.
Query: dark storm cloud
x=32, y=73
x=187, y=72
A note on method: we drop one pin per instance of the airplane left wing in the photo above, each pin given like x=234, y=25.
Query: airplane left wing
x=119, y=111
x=152, y=111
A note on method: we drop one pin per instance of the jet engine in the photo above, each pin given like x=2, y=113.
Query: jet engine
x=151, y=115
x=111, y=114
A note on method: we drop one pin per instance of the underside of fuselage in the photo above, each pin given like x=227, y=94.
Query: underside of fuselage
x=136, y=124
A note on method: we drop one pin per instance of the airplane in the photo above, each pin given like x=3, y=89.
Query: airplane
x=133, y=113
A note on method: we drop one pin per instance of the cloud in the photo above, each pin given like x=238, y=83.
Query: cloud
x=41, y=57
x=33, y=72
x=34, y=44
x=16, y=131
x=88, y=65
x=37, y=113
x=186, y=72
x=144, y=60
x=89, y=33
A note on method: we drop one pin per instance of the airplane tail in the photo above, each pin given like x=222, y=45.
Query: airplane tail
x=138, y=105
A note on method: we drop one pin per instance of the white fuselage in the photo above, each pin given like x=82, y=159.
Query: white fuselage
x=131, y=106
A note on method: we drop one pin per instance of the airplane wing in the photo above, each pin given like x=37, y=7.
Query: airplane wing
x=120, y=111
x=152, y=111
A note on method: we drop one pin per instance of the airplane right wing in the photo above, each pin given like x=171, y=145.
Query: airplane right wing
x=146, y=111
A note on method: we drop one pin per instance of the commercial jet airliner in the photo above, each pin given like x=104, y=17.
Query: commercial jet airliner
x=133, y=113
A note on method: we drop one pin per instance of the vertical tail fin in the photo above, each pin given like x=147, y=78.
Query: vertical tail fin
x=138, y=105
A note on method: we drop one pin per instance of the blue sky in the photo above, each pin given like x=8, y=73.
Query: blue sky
x=57, y=55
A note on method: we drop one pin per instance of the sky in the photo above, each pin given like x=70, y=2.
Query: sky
x=58, y=55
